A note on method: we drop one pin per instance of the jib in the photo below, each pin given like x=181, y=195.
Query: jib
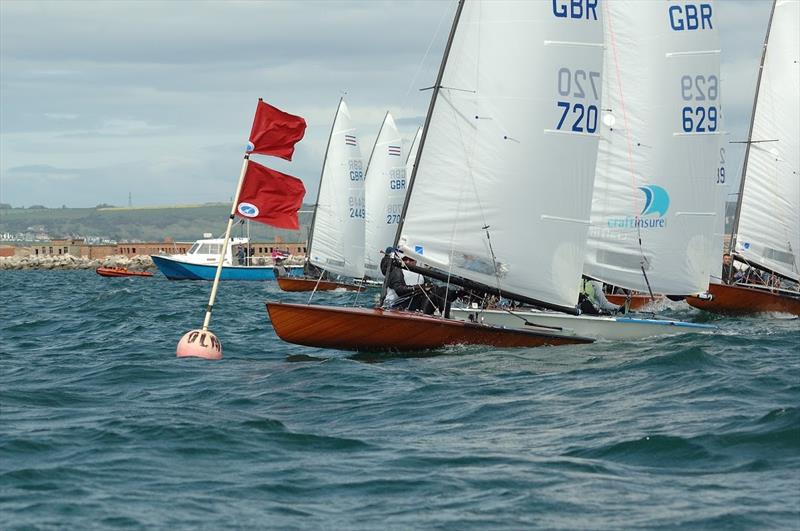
x=575, y=9
x=685, y=17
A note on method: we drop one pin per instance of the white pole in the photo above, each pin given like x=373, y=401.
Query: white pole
x=214, y=286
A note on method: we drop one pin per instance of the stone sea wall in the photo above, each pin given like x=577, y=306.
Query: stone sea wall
x=66, y=261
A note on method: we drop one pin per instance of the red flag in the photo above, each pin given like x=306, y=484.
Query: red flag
x=275, y=132
x=271, y=197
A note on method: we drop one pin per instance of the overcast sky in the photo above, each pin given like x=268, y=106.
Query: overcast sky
x=156, y=98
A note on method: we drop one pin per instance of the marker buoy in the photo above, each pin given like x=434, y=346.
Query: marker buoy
x=199, y=344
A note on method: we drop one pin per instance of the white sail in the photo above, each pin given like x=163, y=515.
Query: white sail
x=769, y=220
x=337, y=240
x=412, y=153
x=502, y=191
x=384, y=194
x=655, y=204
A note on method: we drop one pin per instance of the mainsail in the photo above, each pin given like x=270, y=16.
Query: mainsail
x=655, y=210
x=337, y=233
x=502, y=189
x=411, y=160
x=384, y=193
x=767, y=227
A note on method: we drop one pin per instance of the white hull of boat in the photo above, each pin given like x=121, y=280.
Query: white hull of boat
x=594, y=326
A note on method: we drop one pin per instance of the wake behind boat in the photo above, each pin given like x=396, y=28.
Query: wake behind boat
x=200, y=263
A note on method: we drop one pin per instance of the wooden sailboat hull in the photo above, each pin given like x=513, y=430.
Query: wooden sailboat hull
x=311, y=284
x=739, y=300
x=637, y=301
x=378, y=330
x=121, y=272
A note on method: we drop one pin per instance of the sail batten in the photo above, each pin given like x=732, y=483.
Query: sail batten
x=488, y=169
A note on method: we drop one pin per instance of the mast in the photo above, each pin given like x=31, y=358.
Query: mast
x=436, y=88
x=319, y=187
x=740, y=196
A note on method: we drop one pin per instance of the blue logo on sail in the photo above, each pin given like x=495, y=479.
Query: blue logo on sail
x=656, y=204
x=656, y=200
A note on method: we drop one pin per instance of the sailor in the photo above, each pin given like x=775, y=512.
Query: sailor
x=729, y=273
x=240, y=255
x=592, y=300
x=279, y=268
x=397, y=290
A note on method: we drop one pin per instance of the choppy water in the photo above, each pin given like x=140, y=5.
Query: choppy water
x=102, y=427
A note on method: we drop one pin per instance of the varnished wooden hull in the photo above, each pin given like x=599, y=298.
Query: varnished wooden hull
x=311, y=284
x=637, y=301
x=121, y=272
x=739, y=300
x=377, y=330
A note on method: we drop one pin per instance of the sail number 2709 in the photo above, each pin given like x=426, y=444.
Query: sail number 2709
x=578, y=117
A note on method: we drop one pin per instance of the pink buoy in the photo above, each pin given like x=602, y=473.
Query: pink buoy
x=199, y=344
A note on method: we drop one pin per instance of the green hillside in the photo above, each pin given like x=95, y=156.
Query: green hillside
x=181, y=223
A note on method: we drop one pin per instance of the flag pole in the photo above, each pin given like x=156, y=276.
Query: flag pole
x=202, y=343
x=218, y=273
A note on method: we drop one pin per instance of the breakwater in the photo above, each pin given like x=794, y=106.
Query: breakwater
x=67, y=261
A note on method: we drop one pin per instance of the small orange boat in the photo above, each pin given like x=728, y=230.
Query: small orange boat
x=747, y=299
x=313, y=284
x=379, y=330
x=638, y=300
x=121, y=272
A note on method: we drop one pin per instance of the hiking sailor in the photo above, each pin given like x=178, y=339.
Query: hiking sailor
x=592, y=300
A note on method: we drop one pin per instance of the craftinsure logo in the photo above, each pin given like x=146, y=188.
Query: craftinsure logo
x=656, y=204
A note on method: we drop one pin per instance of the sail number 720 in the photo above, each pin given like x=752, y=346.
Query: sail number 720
x=578, y=116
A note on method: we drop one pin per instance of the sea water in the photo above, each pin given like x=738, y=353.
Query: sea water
x=101, y=426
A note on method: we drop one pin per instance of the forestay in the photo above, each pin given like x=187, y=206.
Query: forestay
x=508, y=154
x=656, y=197
x=384, y=193
x=769, y=220
x=337, y=240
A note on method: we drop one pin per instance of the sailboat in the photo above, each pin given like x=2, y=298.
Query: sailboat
x=653, y=215
x=384, y=195
x=766, y=228
x=498, y=145
x=336, y=237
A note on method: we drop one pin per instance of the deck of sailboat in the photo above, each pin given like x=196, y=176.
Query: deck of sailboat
x=594, y=326
x=378, y=330
x=739, y=300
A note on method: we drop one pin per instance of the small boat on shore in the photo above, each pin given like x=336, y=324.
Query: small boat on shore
x=121, y=272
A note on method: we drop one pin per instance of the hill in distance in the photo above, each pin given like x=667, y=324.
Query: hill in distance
x=180, y=223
